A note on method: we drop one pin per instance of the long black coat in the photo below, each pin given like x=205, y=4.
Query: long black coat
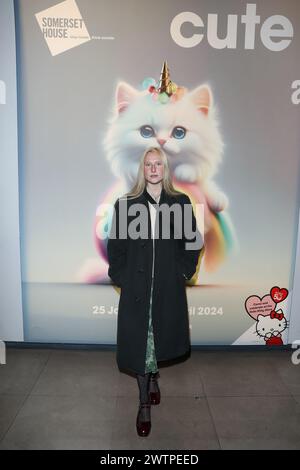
x=130, y=267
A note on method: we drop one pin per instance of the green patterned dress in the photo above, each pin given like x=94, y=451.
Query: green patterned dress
x=151, y=363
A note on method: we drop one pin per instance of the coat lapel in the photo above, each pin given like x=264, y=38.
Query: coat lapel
x=149, y=198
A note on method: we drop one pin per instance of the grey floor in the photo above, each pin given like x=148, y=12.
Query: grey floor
x=78, y=399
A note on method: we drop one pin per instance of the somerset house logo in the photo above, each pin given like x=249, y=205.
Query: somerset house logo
x=62, y=27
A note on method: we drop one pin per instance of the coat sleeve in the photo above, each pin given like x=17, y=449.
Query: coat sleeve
x=116, y=250
x=189, y=257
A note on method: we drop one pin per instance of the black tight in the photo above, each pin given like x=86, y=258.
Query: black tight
x=143, y=383
x=146, y=385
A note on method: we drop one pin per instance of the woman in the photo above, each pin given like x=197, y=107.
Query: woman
x=151, y=269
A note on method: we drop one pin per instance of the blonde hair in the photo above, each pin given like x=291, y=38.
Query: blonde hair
x=140, y=184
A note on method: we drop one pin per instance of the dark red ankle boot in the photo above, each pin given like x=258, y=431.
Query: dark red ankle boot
x=143, y=419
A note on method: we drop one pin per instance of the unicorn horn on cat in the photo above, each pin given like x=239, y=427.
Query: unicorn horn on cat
x=168, y=88
x=165, y=84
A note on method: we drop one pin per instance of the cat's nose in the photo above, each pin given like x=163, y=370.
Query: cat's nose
x=161, y=141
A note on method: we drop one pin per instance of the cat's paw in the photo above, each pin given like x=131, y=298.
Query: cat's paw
x=185, y=172
x=217, y=201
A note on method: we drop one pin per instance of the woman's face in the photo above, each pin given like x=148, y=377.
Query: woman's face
x=153, y=168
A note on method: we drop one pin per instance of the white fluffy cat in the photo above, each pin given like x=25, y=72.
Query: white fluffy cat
x=187, y=130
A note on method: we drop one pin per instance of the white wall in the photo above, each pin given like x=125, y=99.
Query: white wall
x=294, y=329
x=11, y=318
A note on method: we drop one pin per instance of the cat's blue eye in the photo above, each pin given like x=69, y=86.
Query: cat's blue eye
x=179, y=132
x=147, y=132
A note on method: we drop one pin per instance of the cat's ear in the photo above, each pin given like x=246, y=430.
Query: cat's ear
x=202, y=98
x=125, y=95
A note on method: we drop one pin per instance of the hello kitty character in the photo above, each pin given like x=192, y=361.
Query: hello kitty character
x=270, y=323
x=271, y=326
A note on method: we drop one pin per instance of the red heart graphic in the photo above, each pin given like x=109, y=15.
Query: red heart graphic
x=278, y=295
